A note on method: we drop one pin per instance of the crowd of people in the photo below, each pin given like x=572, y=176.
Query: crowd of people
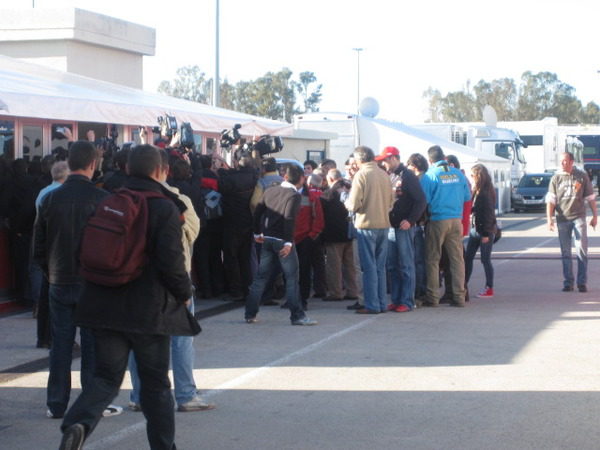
x=383, y=234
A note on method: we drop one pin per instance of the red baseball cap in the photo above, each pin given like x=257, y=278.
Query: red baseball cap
x=386, y=152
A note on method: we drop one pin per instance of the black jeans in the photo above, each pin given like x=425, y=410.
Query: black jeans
x=237, y=245
x=152, y=357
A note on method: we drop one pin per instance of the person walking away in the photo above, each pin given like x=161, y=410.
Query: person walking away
x=569, y=190
x=59, y=224
x=140, y=315
x=370, y=199
x=483, y=230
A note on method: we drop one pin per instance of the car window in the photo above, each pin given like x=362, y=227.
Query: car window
x=534, y=181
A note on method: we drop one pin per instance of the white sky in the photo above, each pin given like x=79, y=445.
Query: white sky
x=408, y=45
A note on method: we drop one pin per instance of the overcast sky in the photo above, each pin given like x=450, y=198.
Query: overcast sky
x=408, y=45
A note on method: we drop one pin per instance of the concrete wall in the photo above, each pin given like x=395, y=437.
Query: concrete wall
x=78, y=41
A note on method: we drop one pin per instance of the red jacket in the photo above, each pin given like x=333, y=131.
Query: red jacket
x=309, y=222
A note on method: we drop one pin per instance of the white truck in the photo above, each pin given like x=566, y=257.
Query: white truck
x=353, y=130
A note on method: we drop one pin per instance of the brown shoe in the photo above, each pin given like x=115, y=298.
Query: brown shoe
x=366, y=311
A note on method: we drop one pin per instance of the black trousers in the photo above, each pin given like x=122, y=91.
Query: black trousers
x=237, y=246
x=152, y=357
x=208, y=262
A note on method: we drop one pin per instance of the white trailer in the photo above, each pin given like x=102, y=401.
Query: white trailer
x=353, y=130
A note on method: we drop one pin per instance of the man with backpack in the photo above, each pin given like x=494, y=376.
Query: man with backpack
x=140, y=314
x=61, y=218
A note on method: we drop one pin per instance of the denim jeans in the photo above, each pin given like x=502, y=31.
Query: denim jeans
x=566, y=230
x=420, y=272
x=182, y=361
x=372, y=249
x=474, y=243
x=269, y=256
x=63, y=299
x=401, y=266
x=152, y=357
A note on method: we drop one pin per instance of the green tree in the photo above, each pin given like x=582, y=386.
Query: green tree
x=274, y=95
x=309, y=93
x=501, y=94
x=190, y=84
x=590, y=113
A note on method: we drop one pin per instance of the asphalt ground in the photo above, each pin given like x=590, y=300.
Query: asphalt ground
x=519, y=371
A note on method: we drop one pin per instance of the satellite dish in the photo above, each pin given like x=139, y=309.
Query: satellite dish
x=369, y=107
x=489, y=116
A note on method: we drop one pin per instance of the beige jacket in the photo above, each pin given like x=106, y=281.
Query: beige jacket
x=371, y=197
x=191, y=226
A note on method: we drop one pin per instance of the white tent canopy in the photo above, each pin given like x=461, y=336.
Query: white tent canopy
x=30, y=90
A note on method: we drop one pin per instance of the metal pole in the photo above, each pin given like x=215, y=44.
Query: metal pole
x=216, y=99
x=358, y=50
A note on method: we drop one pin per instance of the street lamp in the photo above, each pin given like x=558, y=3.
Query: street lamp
x=216, y=90
x=358, y=50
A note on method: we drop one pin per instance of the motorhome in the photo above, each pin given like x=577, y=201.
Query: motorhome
x=360, y=129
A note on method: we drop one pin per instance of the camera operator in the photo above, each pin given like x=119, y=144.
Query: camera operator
x=236, y=187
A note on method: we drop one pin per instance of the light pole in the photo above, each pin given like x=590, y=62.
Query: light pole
x=216, y=93
x=358, y=50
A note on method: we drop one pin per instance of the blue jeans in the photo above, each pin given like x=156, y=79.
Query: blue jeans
x=63, y=300
x=420, y=271
x=269, y=256
x=566, y=230
x=474, y=243
x=401, y=266
x=182, y=361
x=372, y=249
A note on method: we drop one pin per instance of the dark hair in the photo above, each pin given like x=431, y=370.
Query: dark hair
x=452, y=159
x=81, y=155
x=144, y=160
x=364, y=154
x=181, y=170
x=419, y=161
x=164, y=158
x=294, y=174
x=328, y=162
x=435, y=153
x=571, y=157
x=205, y=161
x=121, y=158
x=269, y=164
x=483, y=181
x=311, y=163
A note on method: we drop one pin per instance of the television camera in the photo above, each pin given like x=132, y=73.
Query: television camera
x=265, y=145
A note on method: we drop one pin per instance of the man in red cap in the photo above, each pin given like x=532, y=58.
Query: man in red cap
x=408, y=207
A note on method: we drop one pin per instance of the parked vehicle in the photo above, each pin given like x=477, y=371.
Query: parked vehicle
x=531, y=191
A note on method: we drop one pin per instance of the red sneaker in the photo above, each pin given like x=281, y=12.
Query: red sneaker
x=488, y=292
x=402, y=308
x=391, y=307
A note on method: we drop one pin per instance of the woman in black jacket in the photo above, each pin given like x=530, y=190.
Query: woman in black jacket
x=483, y=220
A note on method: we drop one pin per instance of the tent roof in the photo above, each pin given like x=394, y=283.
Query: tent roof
x=30, y=90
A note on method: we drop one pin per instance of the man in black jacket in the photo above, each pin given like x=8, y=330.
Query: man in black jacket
x=61, y=218
x=237, y=187
x=140, y=315
x=408, y=208
x=274, y=224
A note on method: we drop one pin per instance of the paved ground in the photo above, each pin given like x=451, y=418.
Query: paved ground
x=519, y=371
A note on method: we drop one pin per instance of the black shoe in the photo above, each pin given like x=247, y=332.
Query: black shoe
x=567, y=289
x=73, y=438
x=582, y=288
x=350, y=297
x=426, y=304
x=319, y=295
x=332, y=299
x=354, y=306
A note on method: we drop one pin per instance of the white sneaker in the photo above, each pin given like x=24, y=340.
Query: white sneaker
x=112, y=410
x=197, y=403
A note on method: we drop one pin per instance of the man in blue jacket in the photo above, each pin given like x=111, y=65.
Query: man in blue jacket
x=446, y=189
